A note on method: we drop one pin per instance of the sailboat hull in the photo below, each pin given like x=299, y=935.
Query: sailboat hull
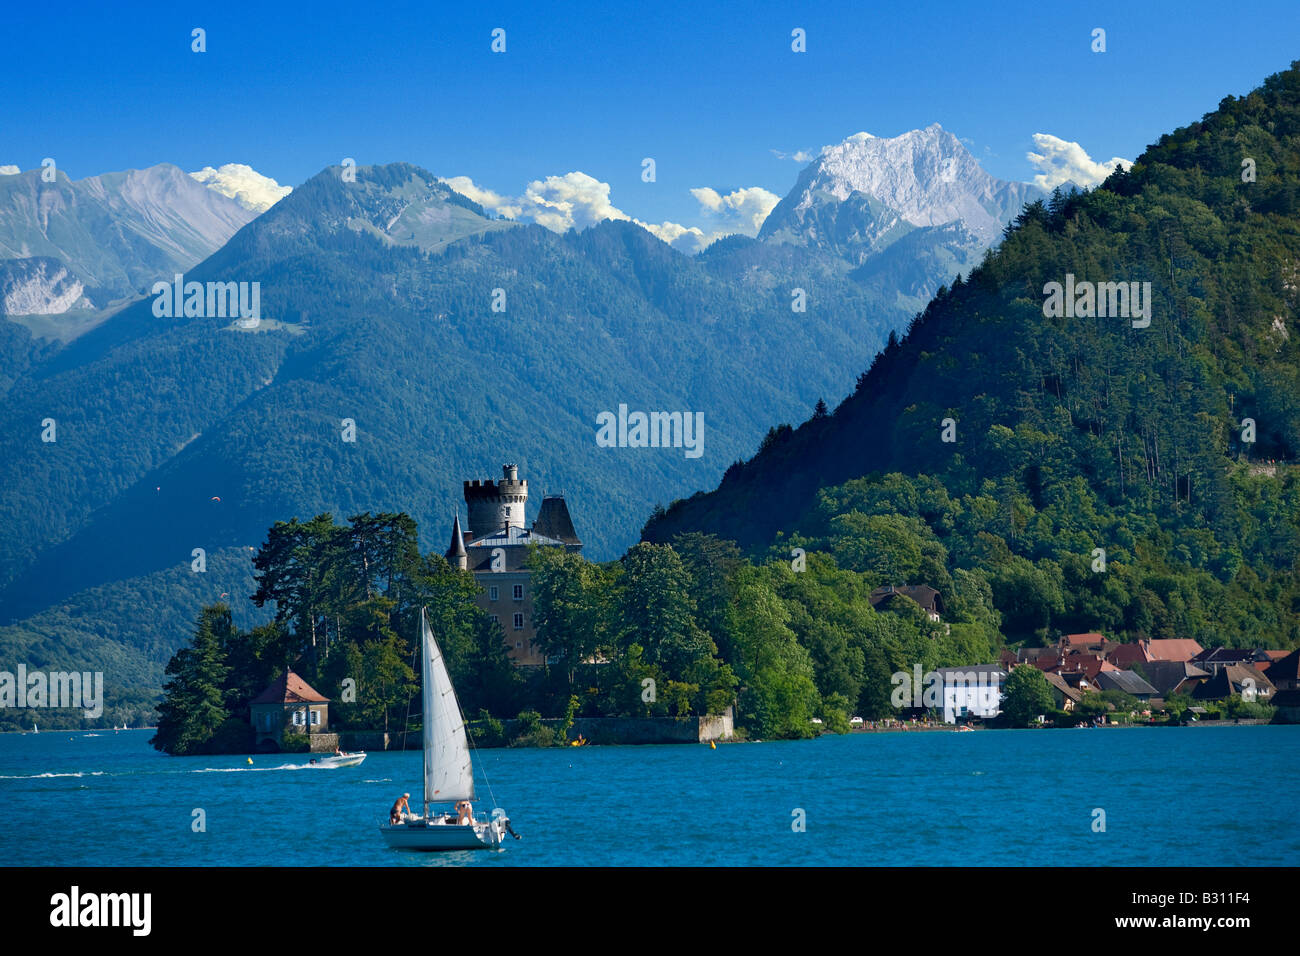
x=417, y=835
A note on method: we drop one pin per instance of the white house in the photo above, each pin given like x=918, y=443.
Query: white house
x=973, y=691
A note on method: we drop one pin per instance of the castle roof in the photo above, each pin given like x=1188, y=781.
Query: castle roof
x=553, y=520
x=511, y=536
x=457, y=548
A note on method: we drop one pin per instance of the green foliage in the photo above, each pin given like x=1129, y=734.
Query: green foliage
x=1027, y=696
x=533, y=733
x=1084, y=433
x=778, y=697
x=194, y=710
x=294, y=743
x=487, y=731
x=835, y=714
x=1236, y=707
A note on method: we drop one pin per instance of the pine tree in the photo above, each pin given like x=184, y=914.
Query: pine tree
x=194, y=703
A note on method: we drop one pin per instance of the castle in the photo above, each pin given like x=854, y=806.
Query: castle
x=495, y=547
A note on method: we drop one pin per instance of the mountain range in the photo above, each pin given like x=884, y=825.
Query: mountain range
x=84, y=244
x=453, y=341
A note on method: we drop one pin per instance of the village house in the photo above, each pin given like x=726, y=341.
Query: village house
x=1087, y=665
x=1064, y=696
x=288, y=704
x=1128, y=682
x=1284, y=673
x=1142, y=652
x=1173, y=677
x=971, y=691
x=1243, y=680
x=1084, y=643
x=1217, y=658
x=930, y=600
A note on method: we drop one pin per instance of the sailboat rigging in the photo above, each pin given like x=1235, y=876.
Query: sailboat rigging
x=448, y=771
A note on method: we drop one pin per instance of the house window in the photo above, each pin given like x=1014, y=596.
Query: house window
x=519, y=622
x=519, y=592
x=492, y=593
x=518, y=644
x=315, y=717
x=297, y=718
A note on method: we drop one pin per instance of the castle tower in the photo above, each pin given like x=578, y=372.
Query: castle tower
x=494, y=505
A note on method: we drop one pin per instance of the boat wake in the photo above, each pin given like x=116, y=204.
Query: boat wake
x=283, y=766
x=46, y=776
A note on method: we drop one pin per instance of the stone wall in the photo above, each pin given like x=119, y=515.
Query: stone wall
x=639, y=730
x=596, y=730
x=323, y=743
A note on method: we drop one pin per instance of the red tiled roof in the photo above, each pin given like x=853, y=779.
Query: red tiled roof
x=1174, y=649
x=1126, y=655
x=289, y=688
x=1072, y=639
x=1090, y=665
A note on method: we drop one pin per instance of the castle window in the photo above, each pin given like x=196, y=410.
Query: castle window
x=519, y=592
x=492, y=593
x=519, y=622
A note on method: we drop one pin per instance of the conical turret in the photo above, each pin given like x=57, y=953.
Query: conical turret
x=456, y=553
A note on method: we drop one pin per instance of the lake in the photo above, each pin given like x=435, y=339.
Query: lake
x=1203, y=796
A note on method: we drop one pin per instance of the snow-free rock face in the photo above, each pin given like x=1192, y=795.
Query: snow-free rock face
x=39, y=286
x=118, y=232
x=862, y=195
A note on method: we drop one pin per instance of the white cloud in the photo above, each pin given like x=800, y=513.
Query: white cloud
x=741, y=210
x=9, y=170
x=578, y=201
x=243, y=184
x=492, y=202
x=1059, y=161
x=799, y=155
x=574, y=200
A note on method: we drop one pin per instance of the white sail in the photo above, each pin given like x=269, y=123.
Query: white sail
x=448, y=772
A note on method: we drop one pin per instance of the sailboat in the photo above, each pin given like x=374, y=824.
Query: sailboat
x=448, y=771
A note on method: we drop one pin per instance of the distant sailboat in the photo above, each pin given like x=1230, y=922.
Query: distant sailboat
x=35, y=729
x=448, y=771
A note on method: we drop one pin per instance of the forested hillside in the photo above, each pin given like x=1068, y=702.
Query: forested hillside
x=1093, y=471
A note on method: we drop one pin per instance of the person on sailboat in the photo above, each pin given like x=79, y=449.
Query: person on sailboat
x=400, y=809
x=464, y=813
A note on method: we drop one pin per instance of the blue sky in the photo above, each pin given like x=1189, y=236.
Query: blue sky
x=708, y=90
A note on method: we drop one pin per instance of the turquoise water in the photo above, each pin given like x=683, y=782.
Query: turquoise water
x=1196, y=796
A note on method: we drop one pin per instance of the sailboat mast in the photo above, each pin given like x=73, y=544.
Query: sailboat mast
x=428, y=696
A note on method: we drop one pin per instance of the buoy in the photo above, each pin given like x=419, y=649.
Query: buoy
x=250, y=759
x=712, y=745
